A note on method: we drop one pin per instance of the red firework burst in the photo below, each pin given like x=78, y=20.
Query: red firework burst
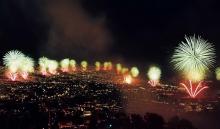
x=192, y=90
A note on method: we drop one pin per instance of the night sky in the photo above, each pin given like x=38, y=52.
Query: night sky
x=143, y=31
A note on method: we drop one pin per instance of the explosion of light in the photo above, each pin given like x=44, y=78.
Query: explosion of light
x=16, y=62
x=12, y=60
x=194, y=92
x=217, y=73
x=124, y=70
x=73, y=64
x=194, y=57
x=13, y=76
x=107, y=66
x=52, y=66
x=84, y=65
x=97, y=66
x=65, y=63
x=153, y=82
x=128, y=79
x=154, y=74
x=26, y=67
x=118, y=68
x=43, y=63
x=134, y=72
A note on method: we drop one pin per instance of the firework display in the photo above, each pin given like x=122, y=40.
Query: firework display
x=194, y=58
x=124, y=70
x=118, y=68
x=43, y=64
x=72, y=64
x=217, y=73
x=52, y=66
x=97, y=66
x=128, y=79
x=84, y=65
x=17, y=63
x=27, y=66
x=134, y=72
x=154, y=74
x=193, y=91
x=65, y=63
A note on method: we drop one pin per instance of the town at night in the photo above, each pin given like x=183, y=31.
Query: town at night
x=80, y=64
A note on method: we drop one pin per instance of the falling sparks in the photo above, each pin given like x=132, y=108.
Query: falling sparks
x=153, y=82
x=194, y=91
x=13, y=76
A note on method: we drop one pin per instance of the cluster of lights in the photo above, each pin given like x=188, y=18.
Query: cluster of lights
x=193, y=58
x=19, y=64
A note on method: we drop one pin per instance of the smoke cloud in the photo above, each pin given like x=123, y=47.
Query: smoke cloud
x=73, y=32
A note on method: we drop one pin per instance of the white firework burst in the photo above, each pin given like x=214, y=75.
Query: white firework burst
x=194, y=57
x=12, y=60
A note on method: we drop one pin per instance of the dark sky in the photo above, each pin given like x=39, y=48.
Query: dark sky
x=137, y=31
